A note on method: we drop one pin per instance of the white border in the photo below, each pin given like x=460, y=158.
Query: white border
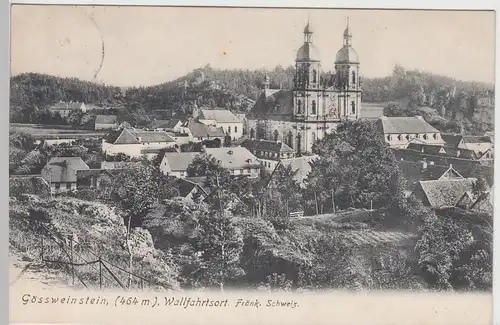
x=360, y=4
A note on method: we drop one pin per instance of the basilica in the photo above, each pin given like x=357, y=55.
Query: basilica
x=316, y=104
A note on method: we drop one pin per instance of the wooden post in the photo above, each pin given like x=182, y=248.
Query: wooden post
x=71, y=257
x=41, y=244
x=100, y=273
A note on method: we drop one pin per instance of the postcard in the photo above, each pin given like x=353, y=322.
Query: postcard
x=225, y=165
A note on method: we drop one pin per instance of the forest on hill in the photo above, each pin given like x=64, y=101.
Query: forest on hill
x=237, y=89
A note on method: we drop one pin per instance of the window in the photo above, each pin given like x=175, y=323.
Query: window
x=389, y=137
x=313, y=107
x=58, y=186
x=229, y=129
x=408, y=137
x=353, y=107
x=315, y=73
x=313, y=136
x=276, y=134
x=353, y=78
x=399, y=137
x=290, y=139
x=252, y=133
x=435, y=136
x=68, y=186
x=299, y=107
x=235, y=129
x=425, y=136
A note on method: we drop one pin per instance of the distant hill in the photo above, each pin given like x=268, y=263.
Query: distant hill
x=236, y=90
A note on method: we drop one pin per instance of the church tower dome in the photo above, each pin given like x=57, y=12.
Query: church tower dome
x=347, y=54
x=308, y=52
x=347, y=78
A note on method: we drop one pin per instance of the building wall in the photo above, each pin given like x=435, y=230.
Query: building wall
x=62, y=187
x=132, y=150
x=402, y=140
x=103, y=126
x=479, y=148
x=51, y=142
x=288, y=132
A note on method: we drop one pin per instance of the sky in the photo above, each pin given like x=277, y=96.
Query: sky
x=139, y=46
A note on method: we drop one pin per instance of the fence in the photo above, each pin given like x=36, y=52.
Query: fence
x=87, y=268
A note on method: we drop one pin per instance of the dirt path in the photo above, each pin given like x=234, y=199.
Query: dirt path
x=34, y=275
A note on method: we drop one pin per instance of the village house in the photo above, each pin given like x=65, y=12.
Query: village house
x=106, y=122
x=119, y=164
x=400, y=131
x=61, y=173
x=172, y=125
x=193, y=188
x=481, y=145
x=432, y=149
x=66, y=108
x=444, y=193
x=221, y=118
x=136, y=143
x=175, y=164
x=269, y=153
x=300, y=165
x=200, y=132
x=238, y=160
x=414, y=172
x=49, y=141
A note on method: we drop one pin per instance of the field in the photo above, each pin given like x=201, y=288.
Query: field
x=54, y=131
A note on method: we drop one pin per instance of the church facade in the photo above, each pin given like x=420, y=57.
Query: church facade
x=316, y=104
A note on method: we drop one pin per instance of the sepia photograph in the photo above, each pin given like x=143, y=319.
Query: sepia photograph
x=268, y=150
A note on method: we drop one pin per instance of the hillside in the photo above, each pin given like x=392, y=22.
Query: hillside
x=40, y=227
x=237, y=90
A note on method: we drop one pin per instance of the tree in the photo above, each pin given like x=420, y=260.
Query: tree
x=221, y=244
x=355, y=168
x=206, y=165
x=136, y=191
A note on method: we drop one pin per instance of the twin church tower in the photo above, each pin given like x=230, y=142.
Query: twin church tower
x=316, y=103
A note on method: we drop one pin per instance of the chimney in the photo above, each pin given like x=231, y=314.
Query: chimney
x=451, y=166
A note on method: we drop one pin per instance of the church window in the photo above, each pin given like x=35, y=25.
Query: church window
x=290, y=139
x=299, y=107
x=353, y=107
x=313, y=107
x=353, y=78
x=299, y=138
x=315, y=74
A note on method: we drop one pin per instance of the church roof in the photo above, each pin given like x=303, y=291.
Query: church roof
x=308, y=52
x=219, y=115
x=274, y=102
x=405, y=125
x=347, y=55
